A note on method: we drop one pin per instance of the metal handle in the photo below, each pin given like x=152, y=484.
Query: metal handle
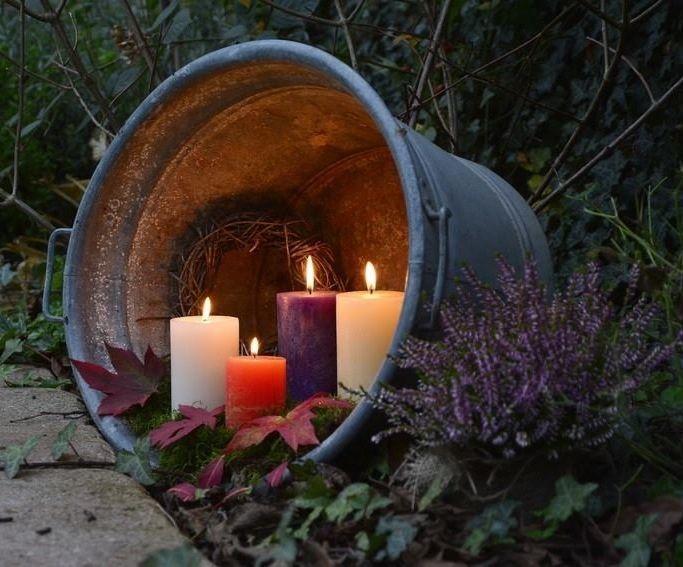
x=49, y=270
x=441, y=216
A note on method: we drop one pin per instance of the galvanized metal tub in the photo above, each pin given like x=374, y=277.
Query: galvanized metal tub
x=276, y=126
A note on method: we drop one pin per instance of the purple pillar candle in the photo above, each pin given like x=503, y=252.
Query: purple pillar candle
x=307, y=338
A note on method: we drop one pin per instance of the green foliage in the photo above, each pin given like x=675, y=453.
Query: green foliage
x=182, y=556
x=491, y=527
x=136, y=463
x=63, y=441
x=12, y=456
x=398, y=533
x=357, y=500
x=570, y=497
x=635, y=543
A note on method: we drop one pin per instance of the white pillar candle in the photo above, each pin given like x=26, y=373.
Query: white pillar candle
x=200, y=348
x=366, y=322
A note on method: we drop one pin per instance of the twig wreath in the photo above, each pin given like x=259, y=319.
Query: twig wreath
x=251, y=231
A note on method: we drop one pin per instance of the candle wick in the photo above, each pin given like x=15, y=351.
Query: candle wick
x=310, y=291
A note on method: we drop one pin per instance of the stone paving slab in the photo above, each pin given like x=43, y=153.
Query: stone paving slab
x=44, y=412
x=82, y=517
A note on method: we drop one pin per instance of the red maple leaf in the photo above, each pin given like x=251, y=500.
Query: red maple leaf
x=172, y=431
x=295, y=428
x=212, y=475
x=132, y=383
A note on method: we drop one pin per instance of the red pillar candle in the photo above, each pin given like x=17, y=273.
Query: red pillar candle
x=254, y=386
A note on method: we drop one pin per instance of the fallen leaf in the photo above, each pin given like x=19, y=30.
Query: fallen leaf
x=132, y=384
x=63, y=441
x=296, y=428
x=172, y=431
x=186, y=492
x=136, y=463
x=212, y=475
x=14, y=455
x=274, y=477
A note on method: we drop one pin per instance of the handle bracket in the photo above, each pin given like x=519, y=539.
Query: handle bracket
x=49, y=272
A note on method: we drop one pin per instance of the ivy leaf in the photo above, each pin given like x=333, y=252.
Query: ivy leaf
x=400, y=531
x=136, y=463
x=274, y=477
x=63, y=441
x=492, y=525
x=359, y=499
x=296, y=428
x=181, y=556
x=570, y=497
x=173, y=431
x=12, y=346
x=132, y=384
x=186, y=492
x=635, y=543
x=212, y=475
x=13, y=456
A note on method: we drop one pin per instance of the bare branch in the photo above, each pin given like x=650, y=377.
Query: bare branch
x=533, y=39
x=605, y=42
x=140, y=41
x=609, y=148
x=427, y=66
x=633, y=68
x=303, y=15
x=602, y=91
x=47, y=16
x=600, y=13
x=646, y=12
x=26, y=208
x=11, y=198
x=347, y=35
x=79, y=67
x=33, y=74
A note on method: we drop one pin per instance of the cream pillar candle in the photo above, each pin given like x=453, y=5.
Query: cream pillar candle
x=366, y=322
x=200, y=348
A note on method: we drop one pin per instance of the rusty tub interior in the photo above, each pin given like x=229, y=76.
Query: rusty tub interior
x=276, y=138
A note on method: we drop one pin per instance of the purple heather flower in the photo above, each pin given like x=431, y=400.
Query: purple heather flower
x=515, y=369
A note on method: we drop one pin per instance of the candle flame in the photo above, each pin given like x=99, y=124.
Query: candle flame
x=206, y=310
x=370, y=277
x=310, y=275
x=254, y=346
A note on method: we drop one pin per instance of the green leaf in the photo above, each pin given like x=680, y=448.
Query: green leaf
x=6, y=274
x=491, y=526
x=370, y=545
x=12, y=346
x=400, y=531
x=13, y=456
x=570, y=497
x=181, y=556
x=136, y=464
x=635, y=543
x=359, y=498
x=63, y=441
x=26, y=130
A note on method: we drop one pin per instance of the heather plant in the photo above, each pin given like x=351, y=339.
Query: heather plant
x=518, y=369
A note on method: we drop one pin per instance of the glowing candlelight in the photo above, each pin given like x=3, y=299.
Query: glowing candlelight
x=200, y=348
x=307, y=338
x=254, y=386
x=366, y=322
